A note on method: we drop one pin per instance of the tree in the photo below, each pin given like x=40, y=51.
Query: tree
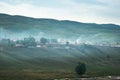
x=5, y=42
x=67, y=43
x=43, y=40
x=53, y=41
x=80, y=68
x=29, y=42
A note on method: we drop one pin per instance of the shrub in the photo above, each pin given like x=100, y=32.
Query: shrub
x=80, y=68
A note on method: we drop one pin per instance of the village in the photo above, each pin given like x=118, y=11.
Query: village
x=31, y=42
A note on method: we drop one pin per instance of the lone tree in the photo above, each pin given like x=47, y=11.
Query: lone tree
x=80, y=68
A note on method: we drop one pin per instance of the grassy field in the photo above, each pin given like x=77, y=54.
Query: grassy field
x=48, y=63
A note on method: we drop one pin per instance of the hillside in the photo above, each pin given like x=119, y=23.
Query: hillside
x=25, y=26
x=94, y=44
x=91, y=55
x=58, y=63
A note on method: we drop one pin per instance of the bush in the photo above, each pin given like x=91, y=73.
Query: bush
x=80, y=68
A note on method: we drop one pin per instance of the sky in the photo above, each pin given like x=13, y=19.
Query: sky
x=88, y=11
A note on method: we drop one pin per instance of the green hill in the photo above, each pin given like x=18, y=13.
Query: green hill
x=17, y=63
x=99, y=60
x=51, y=28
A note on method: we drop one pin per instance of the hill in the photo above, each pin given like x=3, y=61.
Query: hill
x=47, y=63
x=26, y=26
x=61, y=58
x=35, y=63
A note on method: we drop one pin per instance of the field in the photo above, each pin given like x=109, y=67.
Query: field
x=18, y=63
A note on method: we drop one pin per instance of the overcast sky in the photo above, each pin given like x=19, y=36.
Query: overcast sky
x=90, y=11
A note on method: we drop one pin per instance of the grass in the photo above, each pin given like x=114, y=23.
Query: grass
x=32, y=75
x=46, y=64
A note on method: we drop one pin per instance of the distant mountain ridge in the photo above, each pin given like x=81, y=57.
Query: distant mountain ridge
x=23, y=19
x=52, y=28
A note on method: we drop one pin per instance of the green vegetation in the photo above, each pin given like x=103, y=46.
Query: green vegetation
x=33, y=63
x=48, y=63
x=80, y=68
x=43, y=41
x=29, y=42
x=96, y=33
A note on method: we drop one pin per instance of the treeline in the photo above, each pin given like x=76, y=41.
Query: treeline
x=28, y=42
